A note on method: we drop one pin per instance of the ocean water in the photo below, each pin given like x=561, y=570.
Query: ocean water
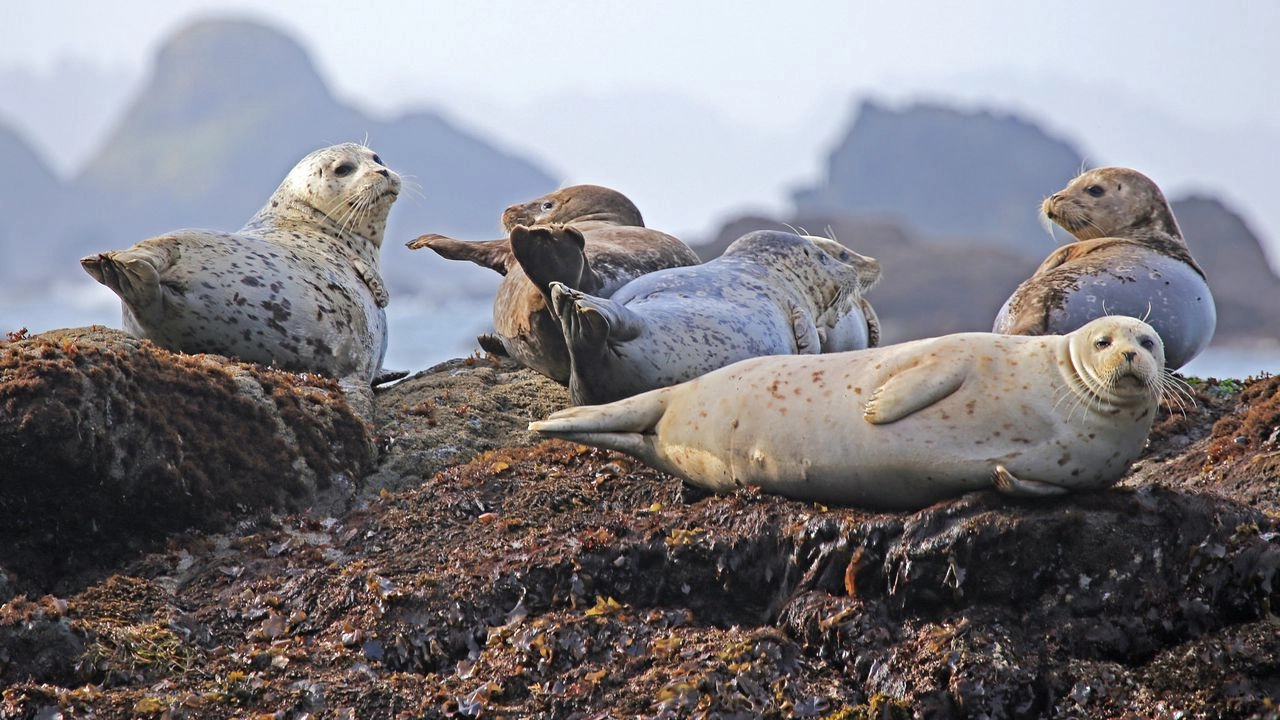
x=428, y=331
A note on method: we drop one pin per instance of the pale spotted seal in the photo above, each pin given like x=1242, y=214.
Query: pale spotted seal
x=769, y=293
x=605, y=246
x=904, y=425
x=1129, y=259
x=297, y=287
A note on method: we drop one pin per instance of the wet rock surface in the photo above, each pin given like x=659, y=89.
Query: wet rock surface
x=552, y=580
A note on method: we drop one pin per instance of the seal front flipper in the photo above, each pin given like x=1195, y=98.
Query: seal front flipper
x=914, y=388
x=804, y=331
x=553, y=253
x=1008, y=484
x=371, y=279
x=493, y=254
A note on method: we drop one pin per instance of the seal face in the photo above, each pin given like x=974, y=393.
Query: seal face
x=298, y=286
x=1129, y=258
x=599, y=245
x=905, y=425
x=770, y=293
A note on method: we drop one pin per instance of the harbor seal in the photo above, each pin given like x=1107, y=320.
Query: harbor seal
x=769, y=293
x=905, y=425
x=1129, y=258
x=297, y=287
x=605, y=245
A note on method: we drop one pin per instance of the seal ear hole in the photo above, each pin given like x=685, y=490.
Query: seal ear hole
x=1096, y=190
x=344, y=169
x=1103, y=342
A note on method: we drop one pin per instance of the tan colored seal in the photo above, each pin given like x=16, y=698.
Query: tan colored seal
x=298, y=286
x=603, y=246
x=904, y=425
x=1129, y=259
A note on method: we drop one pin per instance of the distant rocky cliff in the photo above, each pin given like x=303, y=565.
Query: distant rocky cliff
x=229, y=108
x=945, y=173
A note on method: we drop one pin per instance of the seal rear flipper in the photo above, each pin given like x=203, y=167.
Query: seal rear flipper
x=912, y=389
x=553, y=253
x=1009, y=484
x=492, y=344
x=589, y=322
x=493, y=254
x=619, y=425
x=384, y=376
x=133, y=275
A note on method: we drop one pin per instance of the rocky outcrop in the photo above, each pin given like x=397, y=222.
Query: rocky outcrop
x=553, y=580
x=109, y=443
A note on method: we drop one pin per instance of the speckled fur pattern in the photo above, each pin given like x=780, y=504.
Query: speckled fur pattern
x=1128, y=258
x=901, y=426
x=770, y=293
x=613, y=247
x=298, y=287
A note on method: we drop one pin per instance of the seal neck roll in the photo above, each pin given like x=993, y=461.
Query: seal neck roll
x=282, y=212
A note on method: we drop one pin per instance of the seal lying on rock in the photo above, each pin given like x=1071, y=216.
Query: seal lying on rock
x=770, y=293
x=297, y=287
x=607, y=247
x=905, y=425
x=1129, y=259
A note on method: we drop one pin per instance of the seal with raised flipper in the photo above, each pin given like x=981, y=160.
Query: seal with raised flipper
x=604, y=246
x=1129, y=258
x=298, y=287
x=905, y=425
x=769, y=293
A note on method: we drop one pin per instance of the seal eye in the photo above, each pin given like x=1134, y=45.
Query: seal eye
x=1095, y=190
x=344, y=169
x=547, y=205
x=378, y=160
x=1102, y=343
x=1147, y=343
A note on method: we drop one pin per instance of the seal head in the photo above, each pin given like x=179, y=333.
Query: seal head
x=1129, y=258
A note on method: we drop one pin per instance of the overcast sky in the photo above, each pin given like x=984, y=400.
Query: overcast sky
x=757, y=60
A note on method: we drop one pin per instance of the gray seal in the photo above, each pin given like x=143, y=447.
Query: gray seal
x=602, y=245
x=1129, y=258
x=297, y=287
x=904, y=425
x=769, y=293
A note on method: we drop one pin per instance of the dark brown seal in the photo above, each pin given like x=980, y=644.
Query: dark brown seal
x=1129, y=258
x=604, y=246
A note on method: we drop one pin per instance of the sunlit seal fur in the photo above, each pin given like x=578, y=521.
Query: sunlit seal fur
x=1129, y=259
x=606, y=246
x=297, y=287
x=904, y=425
x=769, y=293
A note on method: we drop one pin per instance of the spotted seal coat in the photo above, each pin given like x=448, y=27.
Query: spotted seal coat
x=1129, y=258
x=298, y=287
x=904, y=425
x=608, y=246
x=769, y=293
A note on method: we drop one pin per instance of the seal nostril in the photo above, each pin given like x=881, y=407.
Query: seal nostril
x=1130, y=355
x=384, y=173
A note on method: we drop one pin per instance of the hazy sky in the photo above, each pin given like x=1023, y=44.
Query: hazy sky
x=1208, y=62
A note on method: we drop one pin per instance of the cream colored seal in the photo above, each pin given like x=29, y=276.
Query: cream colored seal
x=1129, y=258
x=769, y=293
x=298, y=287
x=600, y=244
x=904, y=425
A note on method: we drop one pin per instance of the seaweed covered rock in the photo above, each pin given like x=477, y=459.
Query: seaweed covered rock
x=108, y=443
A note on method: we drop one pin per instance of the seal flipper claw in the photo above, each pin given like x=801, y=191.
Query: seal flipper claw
x=805, y=333
x=493, y=254
x=1008, y=484
x=553, y=253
